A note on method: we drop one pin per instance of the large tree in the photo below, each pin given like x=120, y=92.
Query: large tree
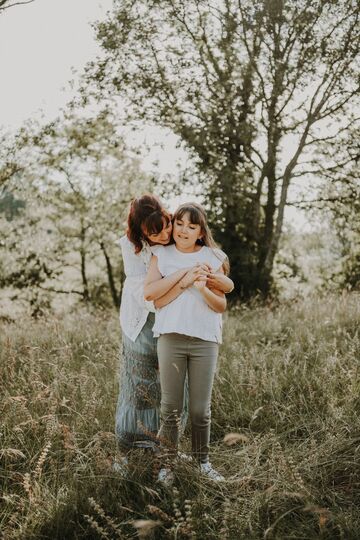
x=249, y=87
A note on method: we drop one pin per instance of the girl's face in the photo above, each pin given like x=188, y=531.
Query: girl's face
x=185, y=233
x=163, y=237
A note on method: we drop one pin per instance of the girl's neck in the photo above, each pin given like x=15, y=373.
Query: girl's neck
x=192, y=249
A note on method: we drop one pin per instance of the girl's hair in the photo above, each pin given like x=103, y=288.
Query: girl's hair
x=197, y=216
x=146, y=216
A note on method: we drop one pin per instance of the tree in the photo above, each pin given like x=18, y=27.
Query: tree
x=340, y=200
x=77, y=190
x=13, y=155
x=237, y=81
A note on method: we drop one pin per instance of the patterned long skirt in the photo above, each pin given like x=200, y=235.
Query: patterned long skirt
x=138, y=408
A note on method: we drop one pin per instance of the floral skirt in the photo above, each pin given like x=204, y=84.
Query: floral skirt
x=137, y=418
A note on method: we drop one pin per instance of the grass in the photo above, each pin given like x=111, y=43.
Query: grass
x=287, y=387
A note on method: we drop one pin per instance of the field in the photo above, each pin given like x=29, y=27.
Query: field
x=288, y=386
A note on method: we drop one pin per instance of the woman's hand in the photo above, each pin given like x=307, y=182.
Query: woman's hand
x=198, y=272
x=219, y=281
x=200, y=283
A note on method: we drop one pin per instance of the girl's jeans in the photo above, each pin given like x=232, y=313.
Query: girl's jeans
x=179, y=354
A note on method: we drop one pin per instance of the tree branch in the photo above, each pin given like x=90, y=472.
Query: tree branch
x=3, y=2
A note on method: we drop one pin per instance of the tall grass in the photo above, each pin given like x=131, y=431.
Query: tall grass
x=287, y=388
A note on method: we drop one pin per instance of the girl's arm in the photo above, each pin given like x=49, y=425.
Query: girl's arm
x=155, y=286
x=214, y=298
x=169, y=296
x=192, y=275
x=221, y=282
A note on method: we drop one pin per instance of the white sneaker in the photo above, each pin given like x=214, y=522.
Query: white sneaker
x=208, y=471
x=166, y=477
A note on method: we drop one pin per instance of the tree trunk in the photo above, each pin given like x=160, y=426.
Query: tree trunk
x=110, y=274
x=86, y=293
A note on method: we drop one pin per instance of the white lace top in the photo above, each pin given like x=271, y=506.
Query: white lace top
x=188, y=314
x=134, y=309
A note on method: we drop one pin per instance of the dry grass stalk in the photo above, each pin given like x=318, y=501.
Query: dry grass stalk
x=115, y=528
x=145, y=527
x=41, y=460
x=97, y=527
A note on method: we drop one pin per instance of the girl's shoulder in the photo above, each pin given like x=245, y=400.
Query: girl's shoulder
x=215, y=256
x=216, y=252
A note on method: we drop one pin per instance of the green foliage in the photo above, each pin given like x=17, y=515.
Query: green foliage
x=78, y=182
x=10, y=206
x=287, y=386
x=236, y=81
x=339, y=202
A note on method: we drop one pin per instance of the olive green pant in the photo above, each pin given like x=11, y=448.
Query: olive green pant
x=179, y=354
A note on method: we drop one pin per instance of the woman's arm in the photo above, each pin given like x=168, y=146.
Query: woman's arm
x=169, y=296
x=219, y=281
x=192, y=275
x=155, y=285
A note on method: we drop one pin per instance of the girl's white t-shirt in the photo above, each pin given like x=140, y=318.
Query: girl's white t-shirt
x=188, y=314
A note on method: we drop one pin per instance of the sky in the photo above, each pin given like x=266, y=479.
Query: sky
x=44, y=45
x=40, y=43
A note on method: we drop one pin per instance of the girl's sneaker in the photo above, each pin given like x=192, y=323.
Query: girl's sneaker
x=166, y=477
x=211, y=473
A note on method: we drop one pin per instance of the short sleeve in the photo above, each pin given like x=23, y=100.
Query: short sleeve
x=159, y=252
x=217, y=259
x=156, y=249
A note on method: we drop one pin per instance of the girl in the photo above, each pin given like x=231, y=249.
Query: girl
x=137, y=413
x=188, y=327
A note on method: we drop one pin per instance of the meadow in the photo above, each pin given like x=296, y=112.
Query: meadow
x=285, y=431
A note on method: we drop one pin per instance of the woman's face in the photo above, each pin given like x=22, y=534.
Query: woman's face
x=163, y=237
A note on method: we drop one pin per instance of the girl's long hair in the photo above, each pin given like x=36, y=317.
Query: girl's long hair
x=146, y=216
x=197, y=216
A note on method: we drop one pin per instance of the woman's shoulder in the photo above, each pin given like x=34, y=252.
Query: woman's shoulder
x=126, y=245
x=160, y=250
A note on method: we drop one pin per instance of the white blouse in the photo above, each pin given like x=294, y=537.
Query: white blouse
x=188, y=314
x=134, y=309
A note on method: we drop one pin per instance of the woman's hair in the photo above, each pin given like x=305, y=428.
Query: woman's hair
x=146, y=216
x=197, y=216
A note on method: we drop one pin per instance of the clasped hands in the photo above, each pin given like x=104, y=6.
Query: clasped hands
x=197, y=275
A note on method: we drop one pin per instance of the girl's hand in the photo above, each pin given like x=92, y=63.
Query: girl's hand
x=200, y=283
x=199, y=271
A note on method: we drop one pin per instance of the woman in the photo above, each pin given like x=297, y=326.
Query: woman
x=137, y=413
